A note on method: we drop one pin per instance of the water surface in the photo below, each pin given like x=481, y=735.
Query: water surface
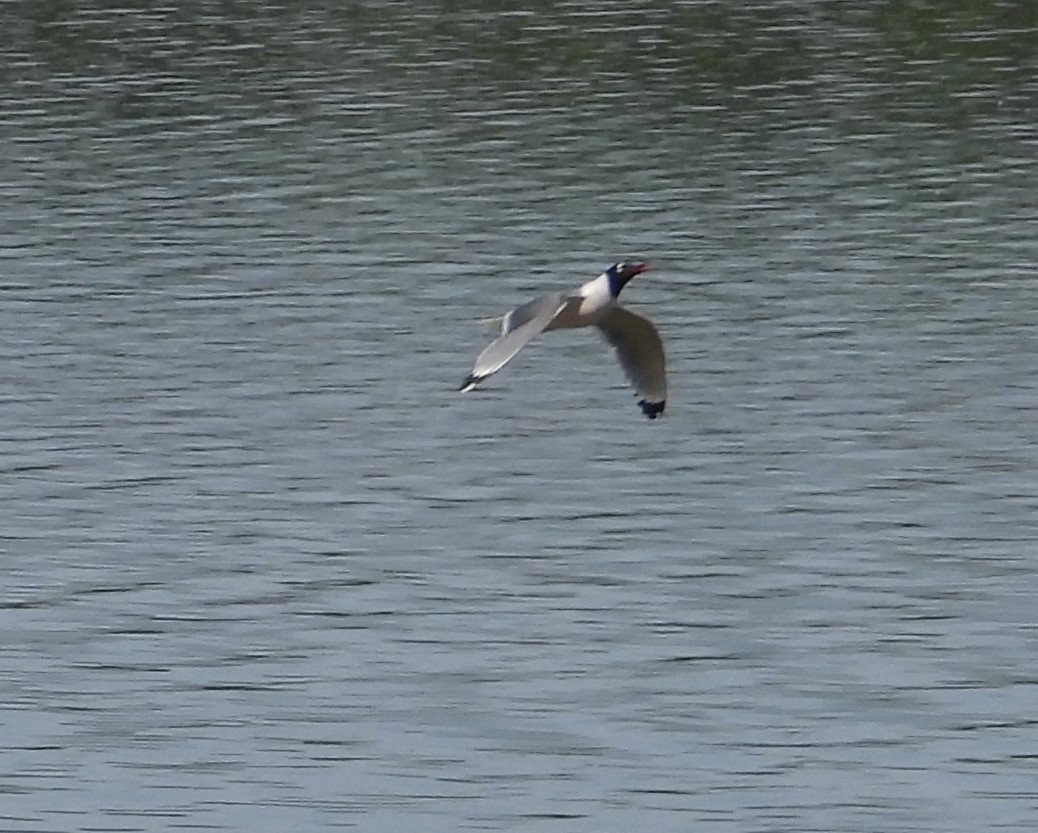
x=267, y=570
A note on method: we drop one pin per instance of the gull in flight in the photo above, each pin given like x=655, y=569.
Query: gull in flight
x=634, y=337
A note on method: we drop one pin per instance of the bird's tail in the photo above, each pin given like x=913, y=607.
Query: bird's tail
x=492, y=325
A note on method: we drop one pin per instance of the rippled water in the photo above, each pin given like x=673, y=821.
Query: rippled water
x=266, y=570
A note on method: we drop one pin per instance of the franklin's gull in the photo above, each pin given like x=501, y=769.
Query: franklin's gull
x=634, y=337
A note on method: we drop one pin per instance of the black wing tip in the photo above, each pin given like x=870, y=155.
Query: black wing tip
x=652, y=409
x=470, y=382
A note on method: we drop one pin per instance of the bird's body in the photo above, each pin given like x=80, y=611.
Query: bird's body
x=635, y=339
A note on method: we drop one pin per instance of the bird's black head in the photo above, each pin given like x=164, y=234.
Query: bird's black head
x=620, y=273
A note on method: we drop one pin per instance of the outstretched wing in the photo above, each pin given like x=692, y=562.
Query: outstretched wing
x=640, y=350
x=530, y=311
x=517, y=329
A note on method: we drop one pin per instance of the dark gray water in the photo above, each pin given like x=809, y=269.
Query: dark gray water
x=265, y=570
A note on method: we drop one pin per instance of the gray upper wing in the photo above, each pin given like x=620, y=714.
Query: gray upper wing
x=518, y=328
x=640, y=350
x=529, y=311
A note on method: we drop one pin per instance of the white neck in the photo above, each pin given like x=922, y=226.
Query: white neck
x=596, y=287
